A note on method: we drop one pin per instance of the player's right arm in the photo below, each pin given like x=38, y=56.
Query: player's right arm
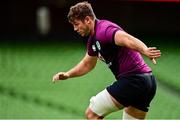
x=124, y=39
x=84, y=66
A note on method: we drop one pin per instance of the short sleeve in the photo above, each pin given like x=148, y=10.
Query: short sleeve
x=110, y=32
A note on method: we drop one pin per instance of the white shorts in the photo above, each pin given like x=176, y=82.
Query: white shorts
x=102, y=104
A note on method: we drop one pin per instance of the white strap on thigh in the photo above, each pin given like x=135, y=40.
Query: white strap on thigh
x=102, y=104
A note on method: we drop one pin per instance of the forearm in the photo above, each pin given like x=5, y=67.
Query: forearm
x=136, y=44
x=86, y=65
x=79, y=70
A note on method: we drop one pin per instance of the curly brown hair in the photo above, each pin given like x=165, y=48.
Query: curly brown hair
x=79, y=11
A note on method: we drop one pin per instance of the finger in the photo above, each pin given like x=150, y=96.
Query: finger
x=152, y=48
x=55, y=78
x=154, y=61
x=155, y=51
x=155, y=55
x=54, y=81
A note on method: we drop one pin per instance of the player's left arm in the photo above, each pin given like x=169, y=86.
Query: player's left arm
x=124, y=39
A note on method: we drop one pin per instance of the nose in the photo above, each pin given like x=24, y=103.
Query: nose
x=75, y=28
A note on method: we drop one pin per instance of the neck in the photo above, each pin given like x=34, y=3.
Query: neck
x=92, y=27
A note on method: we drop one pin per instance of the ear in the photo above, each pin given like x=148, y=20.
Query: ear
x=87, y=19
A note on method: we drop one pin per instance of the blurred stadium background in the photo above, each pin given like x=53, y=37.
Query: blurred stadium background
x=36, y=41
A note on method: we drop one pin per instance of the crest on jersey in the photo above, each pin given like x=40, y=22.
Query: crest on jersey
x=98, y=45
x=93, y=48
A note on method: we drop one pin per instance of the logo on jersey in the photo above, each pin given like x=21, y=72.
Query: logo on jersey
x=98, y=45
x=94, y=48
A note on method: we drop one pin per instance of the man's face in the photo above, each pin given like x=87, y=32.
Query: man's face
x=81, y=27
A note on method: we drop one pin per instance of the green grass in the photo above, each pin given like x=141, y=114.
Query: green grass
x=167, y=68
x=26, y=90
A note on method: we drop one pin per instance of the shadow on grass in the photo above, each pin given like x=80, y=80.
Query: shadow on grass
x=38, y=101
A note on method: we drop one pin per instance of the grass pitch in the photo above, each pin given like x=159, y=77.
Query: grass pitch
x=26, y=90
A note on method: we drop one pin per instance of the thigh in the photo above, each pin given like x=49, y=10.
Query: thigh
x=103, y=104
x=135, y=113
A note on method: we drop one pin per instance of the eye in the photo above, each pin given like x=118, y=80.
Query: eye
x=76, y=24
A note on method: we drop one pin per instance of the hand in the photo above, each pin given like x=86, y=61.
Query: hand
x=60, y=76
x=153, y=53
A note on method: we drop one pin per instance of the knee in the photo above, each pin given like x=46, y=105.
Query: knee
x=91, y=115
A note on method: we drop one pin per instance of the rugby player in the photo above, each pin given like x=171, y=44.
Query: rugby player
x=135, y=85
